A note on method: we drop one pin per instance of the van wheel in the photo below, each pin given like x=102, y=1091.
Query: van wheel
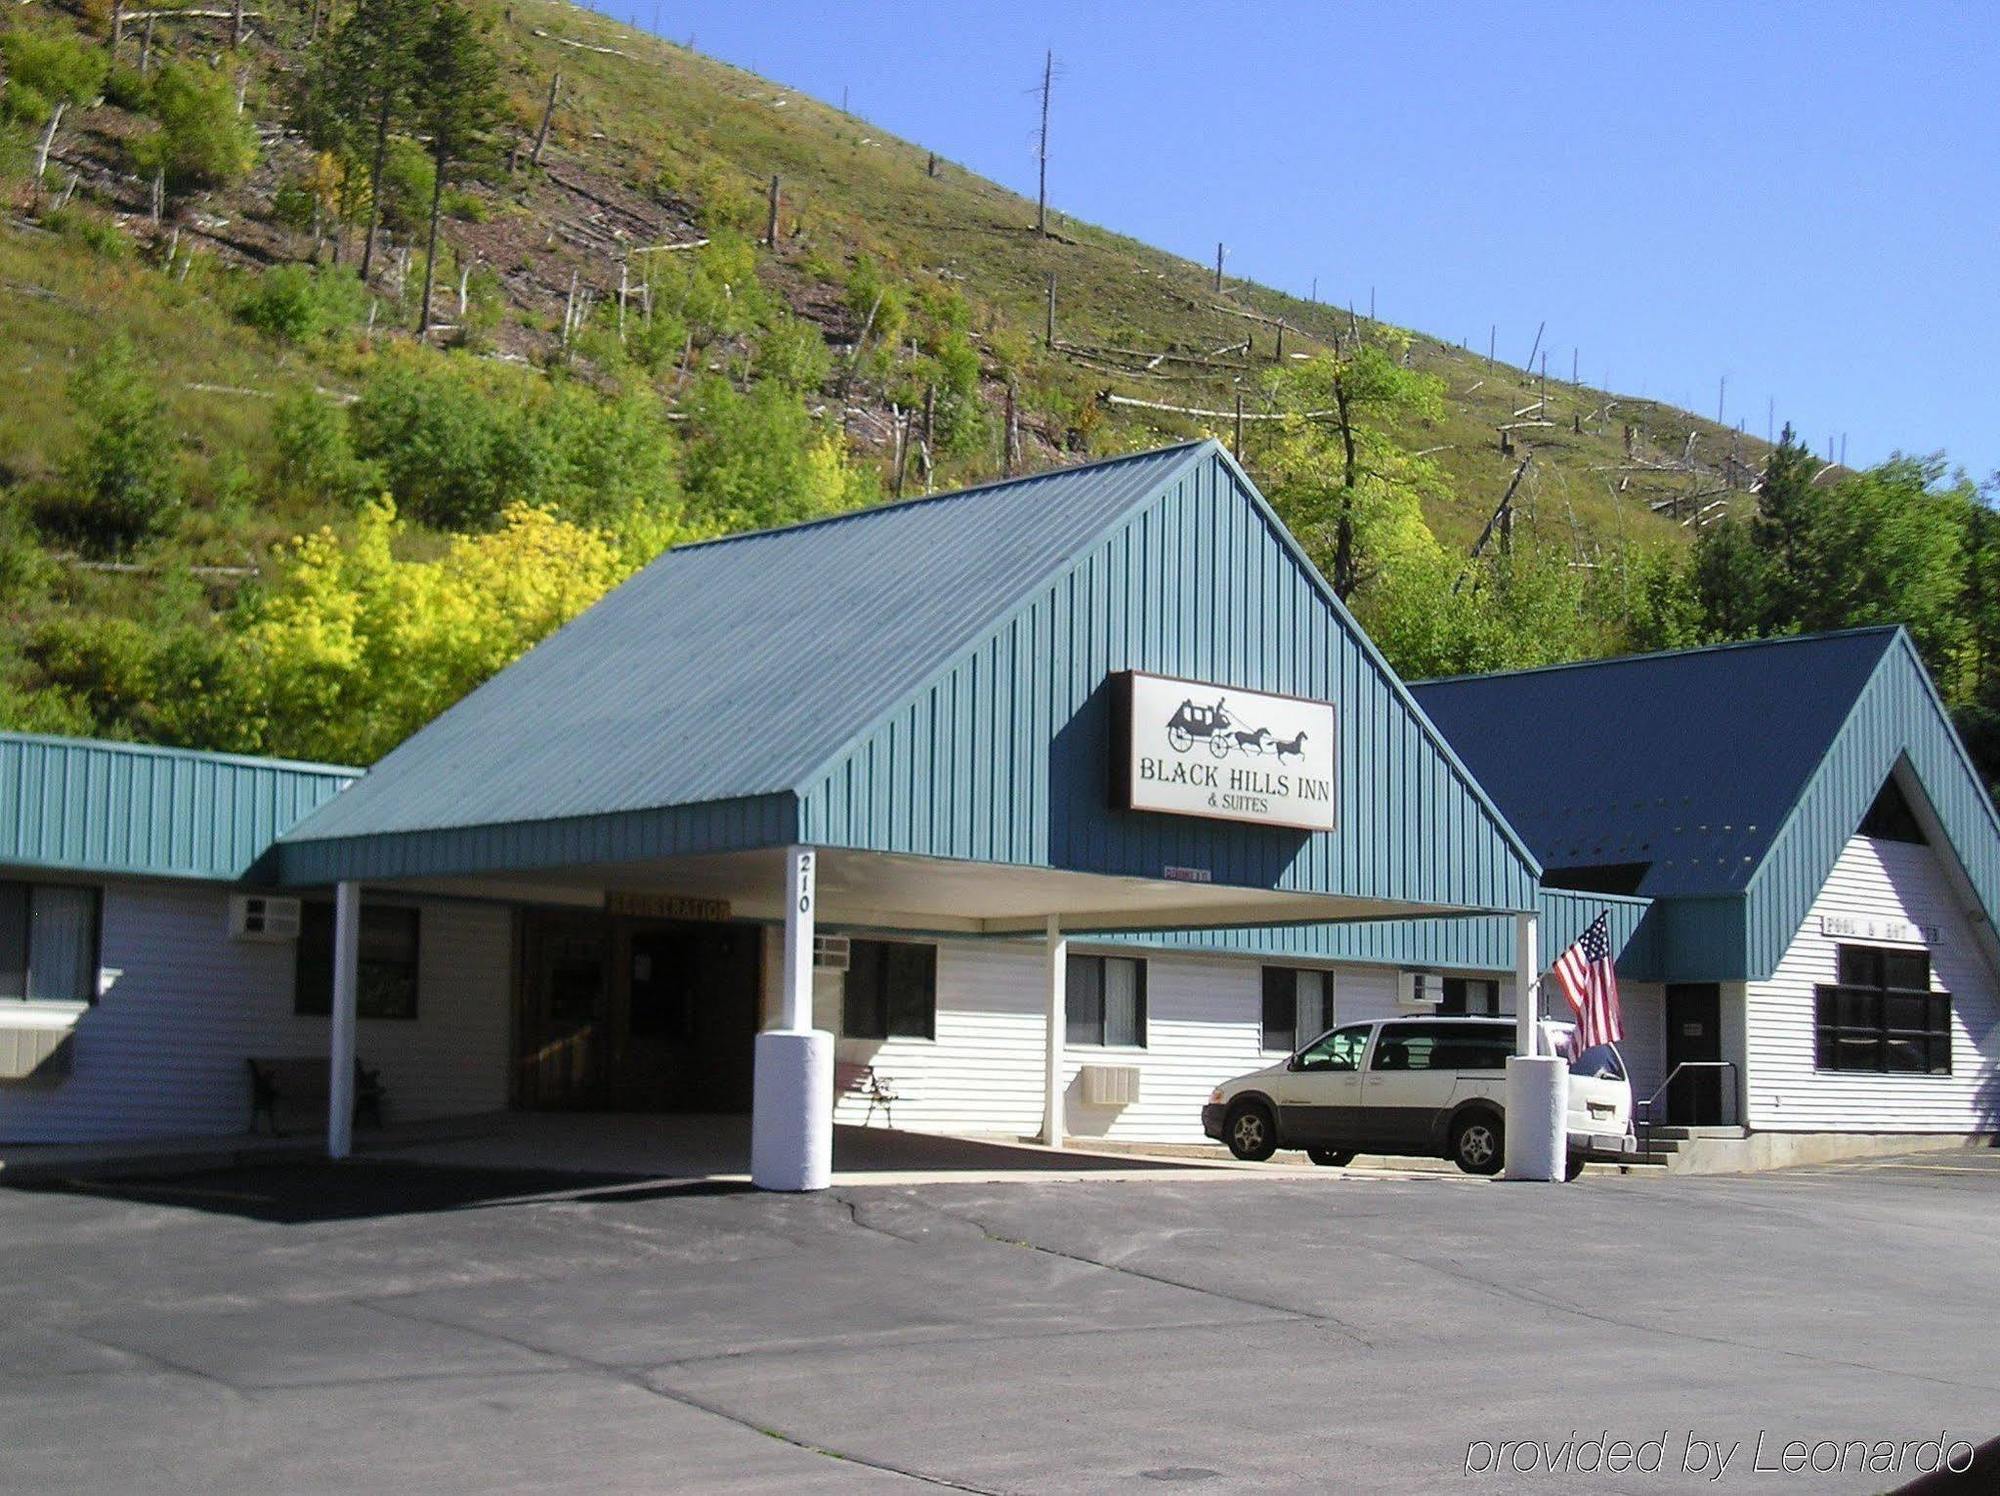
x=1573, y=1170
x=1251, y=1133
x=1478, y=1144
x=1330, y=1158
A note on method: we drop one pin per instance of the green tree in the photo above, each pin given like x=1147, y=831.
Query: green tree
x=120, y=480
x=360, y=91
x=202, y=141
x=760, y=459
x=458, y=103
x=1338, y=474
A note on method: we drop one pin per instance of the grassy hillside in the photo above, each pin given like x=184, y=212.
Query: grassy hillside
x=651, y=150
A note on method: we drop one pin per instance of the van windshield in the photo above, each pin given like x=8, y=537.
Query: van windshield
x=1599, y=1062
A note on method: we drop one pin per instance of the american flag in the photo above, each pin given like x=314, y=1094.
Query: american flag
x=1584, y=970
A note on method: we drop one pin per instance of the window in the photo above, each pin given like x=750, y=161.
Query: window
x=1475, y=997
x=1599, y=1062
x=1107, y=1001
x=48, y=943
x=890, y=991
x=1881, y=1015
x=1340, y=1050
x=1298, y=1006
x=1443, y=1046
x=386, y=979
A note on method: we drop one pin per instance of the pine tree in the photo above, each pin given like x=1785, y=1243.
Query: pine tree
x=362, y=90
x=457, y=107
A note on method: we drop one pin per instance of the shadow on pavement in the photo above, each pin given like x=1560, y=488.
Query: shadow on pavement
x=293, y=1194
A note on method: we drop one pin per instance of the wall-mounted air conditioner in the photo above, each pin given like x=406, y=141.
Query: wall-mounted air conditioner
x=1110, y=1085
x=1420, y=989
x=830, y=952
x=259, y=917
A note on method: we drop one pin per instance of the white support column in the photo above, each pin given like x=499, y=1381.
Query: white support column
x=1056, y=1030
x=1537, y=1136
x=346, y=990
x=1527, y=977
x=791, y=1108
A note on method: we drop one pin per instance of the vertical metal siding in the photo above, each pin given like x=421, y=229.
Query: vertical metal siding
x=1198, y=585
x=1897, y=717
x=123, y=808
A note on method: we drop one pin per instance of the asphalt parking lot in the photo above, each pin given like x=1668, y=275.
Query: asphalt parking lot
x=399, y=1327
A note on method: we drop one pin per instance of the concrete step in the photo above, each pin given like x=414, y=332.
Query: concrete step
x=1685, y=1134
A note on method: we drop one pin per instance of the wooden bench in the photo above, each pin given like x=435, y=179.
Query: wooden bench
x=851, y=1079
x=301, y=1083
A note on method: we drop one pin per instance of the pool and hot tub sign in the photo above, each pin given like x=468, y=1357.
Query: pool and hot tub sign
x=1189, y=748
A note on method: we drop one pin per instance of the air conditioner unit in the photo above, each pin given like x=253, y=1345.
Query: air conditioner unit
x=1110, y=1085
x=1420, y=989
x=831, y=952
x=259, y=917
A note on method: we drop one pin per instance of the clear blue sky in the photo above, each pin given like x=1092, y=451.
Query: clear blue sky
x=1802, y=198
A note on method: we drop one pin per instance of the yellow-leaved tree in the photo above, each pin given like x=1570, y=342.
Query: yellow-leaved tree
x=354, y=649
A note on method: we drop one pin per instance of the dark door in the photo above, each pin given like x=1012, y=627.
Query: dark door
x=565, y=1029
x=690, y=1017
x=1694, y=1033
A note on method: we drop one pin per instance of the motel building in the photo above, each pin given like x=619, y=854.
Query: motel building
x=1047, y=805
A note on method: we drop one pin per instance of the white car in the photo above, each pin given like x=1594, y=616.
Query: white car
x=1433, y=1087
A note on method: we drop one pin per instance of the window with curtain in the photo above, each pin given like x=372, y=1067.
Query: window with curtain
x=1106, y=1001
x=48, y=942
x=1471, y=996
x=890, y=991
x=386, y=977
x=1298, y=1006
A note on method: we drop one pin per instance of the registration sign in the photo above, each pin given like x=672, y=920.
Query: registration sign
x=1194, y=748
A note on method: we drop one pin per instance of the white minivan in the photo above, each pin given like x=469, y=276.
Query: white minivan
x=1434, y=1087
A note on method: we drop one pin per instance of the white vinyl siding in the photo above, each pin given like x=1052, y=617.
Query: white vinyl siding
x=161, y=1053
x=1642, y=1005
x=982, y=1074
x=1885, y=881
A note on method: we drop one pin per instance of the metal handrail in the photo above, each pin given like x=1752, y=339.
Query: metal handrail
x=1643, y=1117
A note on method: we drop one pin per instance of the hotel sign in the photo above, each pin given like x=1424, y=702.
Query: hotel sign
x=1189, y=748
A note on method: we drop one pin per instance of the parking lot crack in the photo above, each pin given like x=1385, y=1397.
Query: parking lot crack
x=1317, y=1316
x=641, y=1382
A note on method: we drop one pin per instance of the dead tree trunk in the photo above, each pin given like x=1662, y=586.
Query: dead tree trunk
x=548, y=113
x=47, y=144
x=771, y=217
x=1042, y=150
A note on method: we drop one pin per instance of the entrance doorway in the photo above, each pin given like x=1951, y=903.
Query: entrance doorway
x=1694, y=1034
x=637, y=1014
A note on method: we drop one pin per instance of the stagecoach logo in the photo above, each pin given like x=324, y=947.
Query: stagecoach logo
x=1192, y=749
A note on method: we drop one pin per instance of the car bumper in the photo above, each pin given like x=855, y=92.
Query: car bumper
x=1603, y=1144
x=1211, y=1119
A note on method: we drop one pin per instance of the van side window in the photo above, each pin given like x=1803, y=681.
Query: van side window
x=1339, y=1050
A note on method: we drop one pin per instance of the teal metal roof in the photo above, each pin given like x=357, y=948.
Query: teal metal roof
x=1479, y=942
x=730, y=669
x=932, y=678
x=1687, y=762
x=81, y=805
x=1728, y=779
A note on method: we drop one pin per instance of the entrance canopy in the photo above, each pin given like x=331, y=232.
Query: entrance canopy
x=938, y=695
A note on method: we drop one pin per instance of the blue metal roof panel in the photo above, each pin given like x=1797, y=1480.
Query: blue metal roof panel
x=667, y=691
x=83, y=805
x=1688, y=762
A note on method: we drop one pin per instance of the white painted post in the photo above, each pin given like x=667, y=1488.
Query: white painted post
x=1537, y=1137
x=346, y=989
x=801, y=921
x=791, y=1107
x=1056, y=1022
x=1527, y=972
